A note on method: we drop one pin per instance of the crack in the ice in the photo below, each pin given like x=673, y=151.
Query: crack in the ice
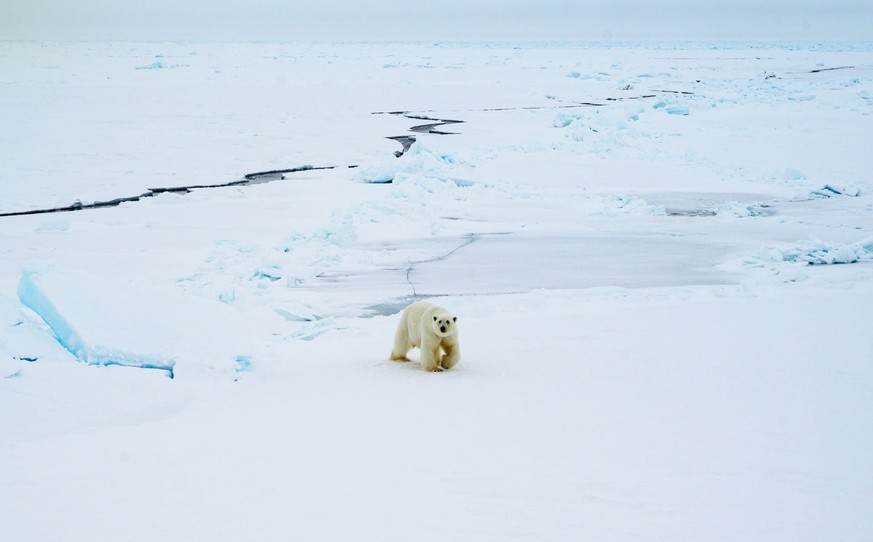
x=819, y=70
x=489, y=109
x=249, y=179
x=471, y=238
x=279, y=174
x=406, y=141
x=430, y=128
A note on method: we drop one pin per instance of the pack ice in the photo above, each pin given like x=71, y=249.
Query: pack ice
x=641, y=244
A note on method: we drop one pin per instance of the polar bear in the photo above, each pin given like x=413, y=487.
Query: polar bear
x=431, y=329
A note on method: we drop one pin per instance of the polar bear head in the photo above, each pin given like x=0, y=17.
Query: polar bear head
x=444, y=324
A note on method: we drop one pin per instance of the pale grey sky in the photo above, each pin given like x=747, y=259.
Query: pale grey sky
x=333, y=20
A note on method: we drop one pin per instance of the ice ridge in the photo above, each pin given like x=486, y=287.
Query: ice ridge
x=32, y=295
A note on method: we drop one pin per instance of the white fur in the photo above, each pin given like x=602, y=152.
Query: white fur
x=433, y=330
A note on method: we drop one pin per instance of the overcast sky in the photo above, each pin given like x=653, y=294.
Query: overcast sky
x=333, y=20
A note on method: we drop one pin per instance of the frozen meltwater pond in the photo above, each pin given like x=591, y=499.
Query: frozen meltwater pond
x=519, y=263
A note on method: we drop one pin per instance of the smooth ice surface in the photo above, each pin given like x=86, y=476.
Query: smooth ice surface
x=651, y=349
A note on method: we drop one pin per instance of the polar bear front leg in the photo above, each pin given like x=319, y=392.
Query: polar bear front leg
x=430, y=358
x=452, y=356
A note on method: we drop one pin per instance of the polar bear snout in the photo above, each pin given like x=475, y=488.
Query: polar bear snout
x=442, y=326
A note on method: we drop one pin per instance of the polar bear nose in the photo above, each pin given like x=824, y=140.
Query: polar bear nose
x=443, y=329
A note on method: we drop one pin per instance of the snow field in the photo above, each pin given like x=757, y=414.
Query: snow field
x=650, y=348
x=656, y=425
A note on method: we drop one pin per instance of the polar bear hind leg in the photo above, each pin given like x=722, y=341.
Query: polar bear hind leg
x=402, y=345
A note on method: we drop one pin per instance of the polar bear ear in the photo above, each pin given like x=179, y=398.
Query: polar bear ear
x=454, y=318
x=434, y=318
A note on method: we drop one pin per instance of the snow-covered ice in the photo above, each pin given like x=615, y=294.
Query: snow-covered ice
x=660, y=257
